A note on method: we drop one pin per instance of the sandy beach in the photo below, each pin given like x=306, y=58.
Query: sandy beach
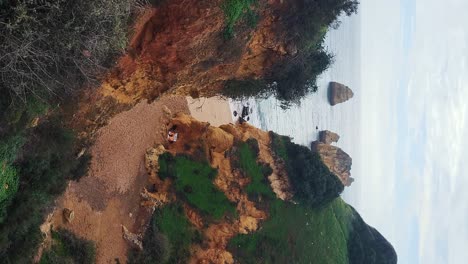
x=214, y=110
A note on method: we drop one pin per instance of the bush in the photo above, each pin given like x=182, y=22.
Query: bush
x=367, y=245
x=236, y=10
x=9, y=180
x=313, y=183
x=68, y=248
x=52, y=46
x=240, y=89
x=167, y=239
x=46, y=162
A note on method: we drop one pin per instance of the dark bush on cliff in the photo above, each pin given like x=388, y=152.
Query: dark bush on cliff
x=44, y=162
x=68, y=248
x=367, y=245
x=313, y=183
x=53, y=46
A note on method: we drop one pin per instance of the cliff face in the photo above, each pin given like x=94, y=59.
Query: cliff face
x=182, y=50
x=337, y=161
x=339, y=93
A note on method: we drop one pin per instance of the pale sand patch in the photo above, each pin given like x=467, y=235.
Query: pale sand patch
x=214, y=110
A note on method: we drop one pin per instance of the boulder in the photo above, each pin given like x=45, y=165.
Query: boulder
x=328, y=137
x=68, y=215
x=337, y=161
x=339, y=93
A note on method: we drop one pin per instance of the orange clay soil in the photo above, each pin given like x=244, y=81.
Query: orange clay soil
x=195, y=135
x=179, y=48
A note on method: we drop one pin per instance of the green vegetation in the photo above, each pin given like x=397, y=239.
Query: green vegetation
x=48, y=50
x=67, y=248
x=167, y=239
x=236, y=10
x=297, y=234
x=248, y=152
x=303, y=25
x=8, y=173
x=313, y=183
x=53, y=46
x=42, y=158
x=367, y=245
x=293, y=233
x=194, y=183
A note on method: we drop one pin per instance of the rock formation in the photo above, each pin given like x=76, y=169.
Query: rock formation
x=68, y=215
x=134, y=240
x=328, y=137
x=339, y=93
x=337, y=161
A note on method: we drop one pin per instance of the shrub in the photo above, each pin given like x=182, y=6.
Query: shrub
x=9, y=181
x=53, y=46
x=313, y=183
x=167, y=239
x=46, y=162
x=240, y=89
x=68, y=248
x=236, y=10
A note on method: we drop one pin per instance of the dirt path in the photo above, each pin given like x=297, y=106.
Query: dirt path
x=108, y=197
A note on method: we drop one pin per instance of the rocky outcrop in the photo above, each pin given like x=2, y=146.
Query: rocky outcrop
x=339, y=93
x=68, y=215
x=134, y=240
x=337, y=161
x=328, y=137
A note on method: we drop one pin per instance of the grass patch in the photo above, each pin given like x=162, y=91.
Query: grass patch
x=68, y=248
x=296, y=234
x=168, y=238
x=194, y=182
x=258, y=173
x=236, y=10
x=278, y=145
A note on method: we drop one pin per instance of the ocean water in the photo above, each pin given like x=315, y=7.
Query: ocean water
x=303, y=122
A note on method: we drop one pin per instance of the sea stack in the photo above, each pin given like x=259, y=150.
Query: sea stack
x=337, y=161
x=328, y=137
x=339, y=93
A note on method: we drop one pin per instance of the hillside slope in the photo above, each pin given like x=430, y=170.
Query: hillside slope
x=235, y=189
